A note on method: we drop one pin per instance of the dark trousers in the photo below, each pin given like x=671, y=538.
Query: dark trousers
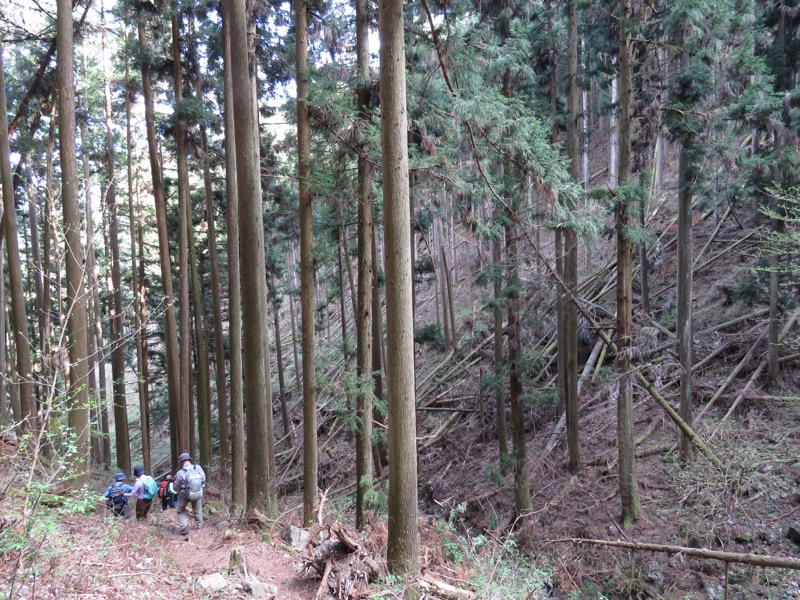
x=143, y=507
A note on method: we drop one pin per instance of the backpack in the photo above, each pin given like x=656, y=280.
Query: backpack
x=116, y=498
x=150, y=487
x=192, y=484
x=162, y=489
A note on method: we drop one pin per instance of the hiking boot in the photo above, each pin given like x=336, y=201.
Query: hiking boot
x=184, y=531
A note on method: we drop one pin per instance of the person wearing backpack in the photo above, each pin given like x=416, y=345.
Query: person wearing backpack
x=145, y=489
x=167, y=493
x=189, y=483
x=115, y=495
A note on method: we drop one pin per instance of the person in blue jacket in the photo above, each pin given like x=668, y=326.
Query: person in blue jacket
x=116, y=495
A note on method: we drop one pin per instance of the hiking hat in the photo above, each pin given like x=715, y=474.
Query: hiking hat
x=138, y=470
x=120, y=476
x=184, y=456
x=169, y=478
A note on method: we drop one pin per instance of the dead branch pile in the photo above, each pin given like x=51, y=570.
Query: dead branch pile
x=345, y=567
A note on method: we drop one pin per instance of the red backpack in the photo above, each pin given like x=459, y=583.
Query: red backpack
x=162, y=489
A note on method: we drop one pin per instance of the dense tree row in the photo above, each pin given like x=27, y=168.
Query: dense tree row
x=204, y=217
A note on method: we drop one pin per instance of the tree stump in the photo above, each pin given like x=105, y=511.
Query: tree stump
x=238, y=563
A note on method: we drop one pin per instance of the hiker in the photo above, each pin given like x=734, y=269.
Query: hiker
x=145, y=489
x=189, y=482
x=115, y=495
x=167, y=493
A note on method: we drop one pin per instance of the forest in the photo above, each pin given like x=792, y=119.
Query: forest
x=481, y=299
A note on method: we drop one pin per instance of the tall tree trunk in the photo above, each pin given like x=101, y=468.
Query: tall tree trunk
x=253, y=276
x=287, y=424
x=137, y=282
x=18, y=311
x=402, y=555
x=306, y=269
x=297, y=366
x=522, y=491
x=198, y=304
x=686, y=174
x=97, y=437
x=201, y=350
x=379, y=450
x=570, y=346
x=78, y=417
x=365, y=310
x=340, y=257
x=6, y=414
x=179, y=437
x=185, y=421
x=219, y=342
x=499, y=365
x=626, y=445
x=117, y=323
x=238, y=492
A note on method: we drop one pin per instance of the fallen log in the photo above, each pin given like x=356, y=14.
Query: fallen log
x=696, y=440
x=562, y=422
x=728, y=380
x=757, y=560
x=763, y=365
x=440, y=589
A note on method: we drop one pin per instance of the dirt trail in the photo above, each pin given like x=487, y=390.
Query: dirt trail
x=207, y=551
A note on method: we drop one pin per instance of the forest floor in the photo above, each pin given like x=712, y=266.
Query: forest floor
x=99, y=556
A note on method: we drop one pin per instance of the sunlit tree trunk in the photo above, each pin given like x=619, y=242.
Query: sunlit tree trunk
x=185, y=421
x=306, y=269
x=402, y=552
x=255, y=348
x=137, y=281
x=238, y=491
x=18, y=310
x=219, y=342
x=179, y=437
x=117, y=349
x=78, y=402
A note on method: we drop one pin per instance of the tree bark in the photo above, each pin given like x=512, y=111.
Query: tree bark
x=402, y=554
x=306, y=269
x=255, y=347
x=522, y=491
x=137, y=282
x=117, y=349
x=626, y=444
x=78, y=401
x=365, y=306
x=499, y=365
x=287, y=424
x=219, y=342
x=570, y=345
x=179, y=437
x=19, y=315
x=238, y=491
x=379, y=450
x=185, y=421
x=97, y=399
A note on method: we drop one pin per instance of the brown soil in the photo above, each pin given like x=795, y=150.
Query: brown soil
x=100, y=557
